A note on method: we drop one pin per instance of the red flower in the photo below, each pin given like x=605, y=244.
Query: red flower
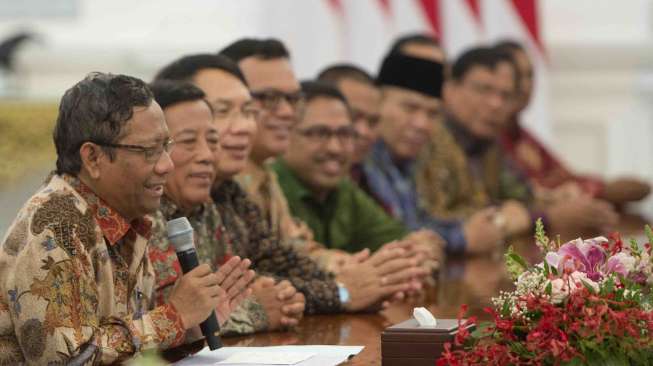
x=541, y=332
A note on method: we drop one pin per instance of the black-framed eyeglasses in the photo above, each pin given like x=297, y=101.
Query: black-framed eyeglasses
x=271, y=99
x=322, y=134
x=151, y=153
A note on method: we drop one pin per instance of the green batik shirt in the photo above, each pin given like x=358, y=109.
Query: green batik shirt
x=348, y=219
x=250, y=316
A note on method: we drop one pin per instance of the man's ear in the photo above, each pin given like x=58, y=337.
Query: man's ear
x=92, y=157
x=448, y=88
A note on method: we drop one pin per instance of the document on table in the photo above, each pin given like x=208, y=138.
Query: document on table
x=269, y=358
x=273, y=356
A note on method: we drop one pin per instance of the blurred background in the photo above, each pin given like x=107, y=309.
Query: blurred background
x=593, y=102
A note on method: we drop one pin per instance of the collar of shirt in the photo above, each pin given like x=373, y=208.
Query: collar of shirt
x=392, y=182
x=514, y=130
x=298, y=192
x=253, y=177
x=227, y=192
x=356, y=175
x=170, y=210
x=113, y=225
x=381, y=157
x=471, y=145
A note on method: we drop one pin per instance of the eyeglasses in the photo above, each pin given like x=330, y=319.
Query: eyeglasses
x=321, y=135
x=152, y=154
x=227, y=110
x=271, y=99
x=371, y=119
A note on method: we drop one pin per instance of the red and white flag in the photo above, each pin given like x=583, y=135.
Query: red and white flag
x=460, y=24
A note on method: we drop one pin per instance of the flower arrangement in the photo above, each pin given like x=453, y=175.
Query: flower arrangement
x=587, y=303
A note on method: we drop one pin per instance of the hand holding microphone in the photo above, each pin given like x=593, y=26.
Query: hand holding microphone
x=201, y=291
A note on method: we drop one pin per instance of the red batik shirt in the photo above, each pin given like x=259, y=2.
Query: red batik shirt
x=540, y=165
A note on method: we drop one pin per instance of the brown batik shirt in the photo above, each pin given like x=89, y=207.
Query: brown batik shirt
x=246, y=233
x=250, y=316
x=76, y=283
x=262, y=187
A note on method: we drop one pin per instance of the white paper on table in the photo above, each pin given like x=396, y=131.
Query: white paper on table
x=266, y=358
x=323, y=355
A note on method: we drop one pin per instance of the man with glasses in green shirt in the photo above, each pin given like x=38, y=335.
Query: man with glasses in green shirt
x=313, y=175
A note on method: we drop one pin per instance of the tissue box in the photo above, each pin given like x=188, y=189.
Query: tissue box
x=409, y=344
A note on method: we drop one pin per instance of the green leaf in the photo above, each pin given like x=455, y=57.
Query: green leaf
x=483, y=330
x=519, y=349
x=559, y=240
x=549, y=288
x=593, y=352
x=515, y=264
x=588, y=287
x=576, y=361
x=634, y=247
x=540, y=234
x=608, y=286
x=505, y=309
x=649, y=234
x=547, y=269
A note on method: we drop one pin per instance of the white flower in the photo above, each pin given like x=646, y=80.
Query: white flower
x=559, y=290
x=626, y=260
x=553, y=259
x=562, y=287
x=579, y=277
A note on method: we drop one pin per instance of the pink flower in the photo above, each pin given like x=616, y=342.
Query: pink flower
x=577, y=255
x=621, y=263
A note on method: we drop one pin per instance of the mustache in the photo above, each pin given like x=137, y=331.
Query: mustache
x=342, y=159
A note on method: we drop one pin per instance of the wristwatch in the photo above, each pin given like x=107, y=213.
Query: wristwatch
x=343, y=294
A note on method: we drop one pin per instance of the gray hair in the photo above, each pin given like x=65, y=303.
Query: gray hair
x=95, y=109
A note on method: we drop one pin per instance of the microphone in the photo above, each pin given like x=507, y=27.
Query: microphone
x=180, y=234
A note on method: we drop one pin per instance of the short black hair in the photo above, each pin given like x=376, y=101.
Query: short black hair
x=186, y=67
x=171, y=92
x=487, y=57
x=417, y=38
x=337, y=72
x=265, y=49
x=96, y=109
x=315, y=89
x=510, y=46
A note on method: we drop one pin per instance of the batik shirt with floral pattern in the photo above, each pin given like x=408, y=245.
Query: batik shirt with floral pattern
x=76, y=282
x=250, y=316
x=246, y=233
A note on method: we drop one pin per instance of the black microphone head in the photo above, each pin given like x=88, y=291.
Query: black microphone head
x=180, y=234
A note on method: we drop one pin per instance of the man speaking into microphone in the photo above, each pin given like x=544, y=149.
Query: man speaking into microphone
x=76, y=279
